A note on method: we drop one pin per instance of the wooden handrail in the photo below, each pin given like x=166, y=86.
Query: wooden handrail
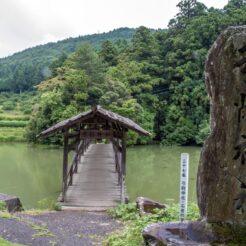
x=119, y=169
x=68, y=180
x=122, y=193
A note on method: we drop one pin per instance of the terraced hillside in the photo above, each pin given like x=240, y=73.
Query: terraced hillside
x=15, y=112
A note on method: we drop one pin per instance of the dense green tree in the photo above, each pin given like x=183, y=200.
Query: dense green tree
x=108, y=53
x=143, y=44
x=156, y=79
x=235, y=4
x=58, y=62
x=36, y=61
x=188, y=9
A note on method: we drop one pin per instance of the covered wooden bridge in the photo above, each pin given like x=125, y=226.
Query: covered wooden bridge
x=95, y=179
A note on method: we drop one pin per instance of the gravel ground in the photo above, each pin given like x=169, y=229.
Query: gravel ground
x=66, y=228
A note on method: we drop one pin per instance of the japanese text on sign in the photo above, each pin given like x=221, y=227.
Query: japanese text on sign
x=184, y=170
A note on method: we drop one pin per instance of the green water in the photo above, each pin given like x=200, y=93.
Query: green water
x=33, y=173
x=154, y=172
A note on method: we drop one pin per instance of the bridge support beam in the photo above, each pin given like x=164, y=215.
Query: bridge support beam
x=65, y=164
x=123, y=160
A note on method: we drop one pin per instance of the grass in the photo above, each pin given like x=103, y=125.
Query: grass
x=131, y=234
x=41, y=231
x=49, y=204
x=13, y=123
x=15, y=111
x=4, y=242
x=8, y=134
x=2, y=206
x=14, y=117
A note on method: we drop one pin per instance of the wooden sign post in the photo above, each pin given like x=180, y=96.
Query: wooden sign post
x=184, y=171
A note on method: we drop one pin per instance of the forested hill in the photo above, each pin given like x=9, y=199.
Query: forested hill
x=22, y=70
x=156, y=79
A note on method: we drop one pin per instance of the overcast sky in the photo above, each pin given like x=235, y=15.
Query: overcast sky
x=26, y=23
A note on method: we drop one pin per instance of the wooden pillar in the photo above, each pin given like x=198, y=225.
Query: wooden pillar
x=124, y=153
x=65, y=164
x=82, y=148
x=77, y=159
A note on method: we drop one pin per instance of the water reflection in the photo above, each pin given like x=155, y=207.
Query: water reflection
x=154, y=171
x=30, y=172
x=34, y=172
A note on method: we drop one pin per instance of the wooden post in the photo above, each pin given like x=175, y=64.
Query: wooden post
x=124, y=153
x=123, y=167
x=76, y=160
x=71, y=177
x=65, y=164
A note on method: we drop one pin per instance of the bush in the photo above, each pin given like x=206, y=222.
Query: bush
x=48, y=203
x=13, y=123
x=204, y=130
x=27, y=111
x=8, y=105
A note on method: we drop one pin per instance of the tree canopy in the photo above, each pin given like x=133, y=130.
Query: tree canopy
x=156, y=79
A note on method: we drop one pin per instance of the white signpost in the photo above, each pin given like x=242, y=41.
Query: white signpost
x=184, y=171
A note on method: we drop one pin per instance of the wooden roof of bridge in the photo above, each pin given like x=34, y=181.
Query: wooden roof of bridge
x=95, y=111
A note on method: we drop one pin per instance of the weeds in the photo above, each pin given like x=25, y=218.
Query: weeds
x=4, y=242
x=42, y=231
x=2, y=206
x=48, y=203
x=131, y=235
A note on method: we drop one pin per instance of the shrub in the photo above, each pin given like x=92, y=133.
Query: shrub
x=8, y=105
x=48, y=203
x=2, y=206
x=27, y=111
x=13, y=123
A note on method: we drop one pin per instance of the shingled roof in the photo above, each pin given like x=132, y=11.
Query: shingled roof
x=95, y=111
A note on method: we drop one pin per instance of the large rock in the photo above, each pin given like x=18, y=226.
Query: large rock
x=13, y=203
x=147, y=206
x=185, y=234
x=221, y=182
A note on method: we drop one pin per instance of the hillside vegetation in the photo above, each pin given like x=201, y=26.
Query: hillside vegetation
x=156, y=79
x=23, y=70
x=15, y=111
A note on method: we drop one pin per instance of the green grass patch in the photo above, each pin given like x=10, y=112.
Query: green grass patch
x=49, y=204
x=134, y=224
x=2, y=206
x=15, y=110
x=9, y=134
x=4, y=242
x=41, y=231
x=13, y=123
x=6, y=215
x=10, y=117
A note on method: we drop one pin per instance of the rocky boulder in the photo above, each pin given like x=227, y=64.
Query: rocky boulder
x=221, y=181
x=185, y=234
x=147, y=206
x=13, y=203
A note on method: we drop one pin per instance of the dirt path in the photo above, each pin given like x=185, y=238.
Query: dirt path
x=66, y=228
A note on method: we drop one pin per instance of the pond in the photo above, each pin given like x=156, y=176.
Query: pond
x=33, y=172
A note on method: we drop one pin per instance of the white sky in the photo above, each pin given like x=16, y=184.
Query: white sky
x=26, y=23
